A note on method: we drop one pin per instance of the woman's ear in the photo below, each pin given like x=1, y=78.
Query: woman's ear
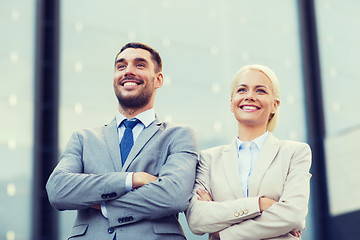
x=231, y=105
x=275, y=106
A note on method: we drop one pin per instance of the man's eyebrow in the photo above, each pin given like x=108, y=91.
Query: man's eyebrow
x=120, y=60
x=140, y=60
x=136, y=60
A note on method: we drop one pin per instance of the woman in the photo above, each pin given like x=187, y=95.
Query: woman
x=256, y=193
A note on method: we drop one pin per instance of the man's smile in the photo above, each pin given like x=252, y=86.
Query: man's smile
x=130, y=84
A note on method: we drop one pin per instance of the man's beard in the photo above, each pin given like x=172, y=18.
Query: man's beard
x=134, y=102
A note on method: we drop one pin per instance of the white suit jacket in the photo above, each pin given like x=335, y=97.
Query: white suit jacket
x=281, y=172
x=90, y=173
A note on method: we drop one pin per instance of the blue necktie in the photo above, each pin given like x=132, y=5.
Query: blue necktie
x=127, y=140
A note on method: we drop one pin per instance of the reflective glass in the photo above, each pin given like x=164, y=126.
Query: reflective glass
x=16, y=122
x=339, y=39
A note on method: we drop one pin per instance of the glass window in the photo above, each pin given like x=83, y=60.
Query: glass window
x=339, y=51
x=16, y=122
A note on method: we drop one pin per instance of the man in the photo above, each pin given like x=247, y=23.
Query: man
x=136, y=196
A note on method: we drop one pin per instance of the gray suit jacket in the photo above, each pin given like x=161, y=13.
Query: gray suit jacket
x=281, y=172
x=90, y=173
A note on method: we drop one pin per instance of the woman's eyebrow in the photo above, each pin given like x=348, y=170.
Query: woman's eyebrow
x=264, y=86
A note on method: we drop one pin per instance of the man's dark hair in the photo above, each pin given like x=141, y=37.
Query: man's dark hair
x=154, y=54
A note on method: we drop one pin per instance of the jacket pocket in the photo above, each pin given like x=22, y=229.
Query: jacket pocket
x=78, y=230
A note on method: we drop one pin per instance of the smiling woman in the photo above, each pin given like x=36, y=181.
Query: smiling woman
x=257, y=187
x=253, y=99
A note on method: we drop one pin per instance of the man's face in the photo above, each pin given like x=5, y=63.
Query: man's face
x=135, y=80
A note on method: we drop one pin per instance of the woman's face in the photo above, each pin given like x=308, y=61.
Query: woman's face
x=253, y=100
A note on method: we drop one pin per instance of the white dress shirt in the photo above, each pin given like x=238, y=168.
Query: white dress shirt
x=248, y=152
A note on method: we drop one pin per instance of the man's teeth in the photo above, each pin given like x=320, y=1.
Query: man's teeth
x=249, y=108
x=130, y=84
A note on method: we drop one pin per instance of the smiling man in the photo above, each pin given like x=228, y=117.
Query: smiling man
x=137, y=76
x=130, y=178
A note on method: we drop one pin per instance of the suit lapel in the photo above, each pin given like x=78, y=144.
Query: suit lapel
x=231, y=166
x=112, y=141
x=267, y=155
x=142, y=139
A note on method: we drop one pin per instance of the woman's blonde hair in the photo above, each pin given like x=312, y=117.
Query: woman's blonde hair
x=273, y=119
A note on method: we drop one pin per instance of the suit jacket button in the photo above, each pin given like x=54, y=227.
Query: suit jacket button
x=236, y=214
x=120, y=220
x=246, y=211
x=110, y=230
x=103, y=196
x=241, y=212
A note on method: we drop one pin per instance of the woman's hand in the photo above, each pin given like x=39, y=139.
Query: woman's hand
x=203, y=195
x=296, y=233
x=265, y=203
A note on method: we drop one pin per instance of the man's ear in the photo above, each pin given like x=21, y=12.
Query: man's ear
x=159, y=80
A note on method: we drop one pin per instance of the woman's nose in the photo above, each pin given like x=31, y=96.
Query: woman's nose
x=250, y=95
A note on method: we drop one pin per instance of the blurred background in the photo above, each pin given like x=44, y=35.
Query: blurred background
x=57, y=58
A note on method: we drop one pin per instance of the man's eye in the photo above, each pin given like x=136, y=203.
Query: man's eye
x=140, y=65
x=121, y=67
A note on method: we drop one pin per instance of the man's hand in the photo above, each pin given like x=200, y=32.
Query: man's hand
x=139, y=179
x=97, y=206
x=265, y=203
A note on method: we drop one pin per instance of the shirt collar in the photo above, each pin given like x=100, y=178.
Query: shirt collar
x=145, y=118
x=259, y=141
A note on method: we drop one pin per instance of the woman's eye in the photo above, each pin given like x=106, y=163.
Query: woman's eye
x=240, y=90
x=261, y=91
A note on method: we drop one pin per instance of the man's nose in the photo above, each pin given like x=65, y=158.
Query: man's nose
x=130, y=70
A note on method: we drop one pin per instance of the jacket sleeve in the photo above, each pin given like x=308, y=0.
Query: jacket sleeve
x=289, y=212
x=170, y=193
x=69, y=188
x=212, y=216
